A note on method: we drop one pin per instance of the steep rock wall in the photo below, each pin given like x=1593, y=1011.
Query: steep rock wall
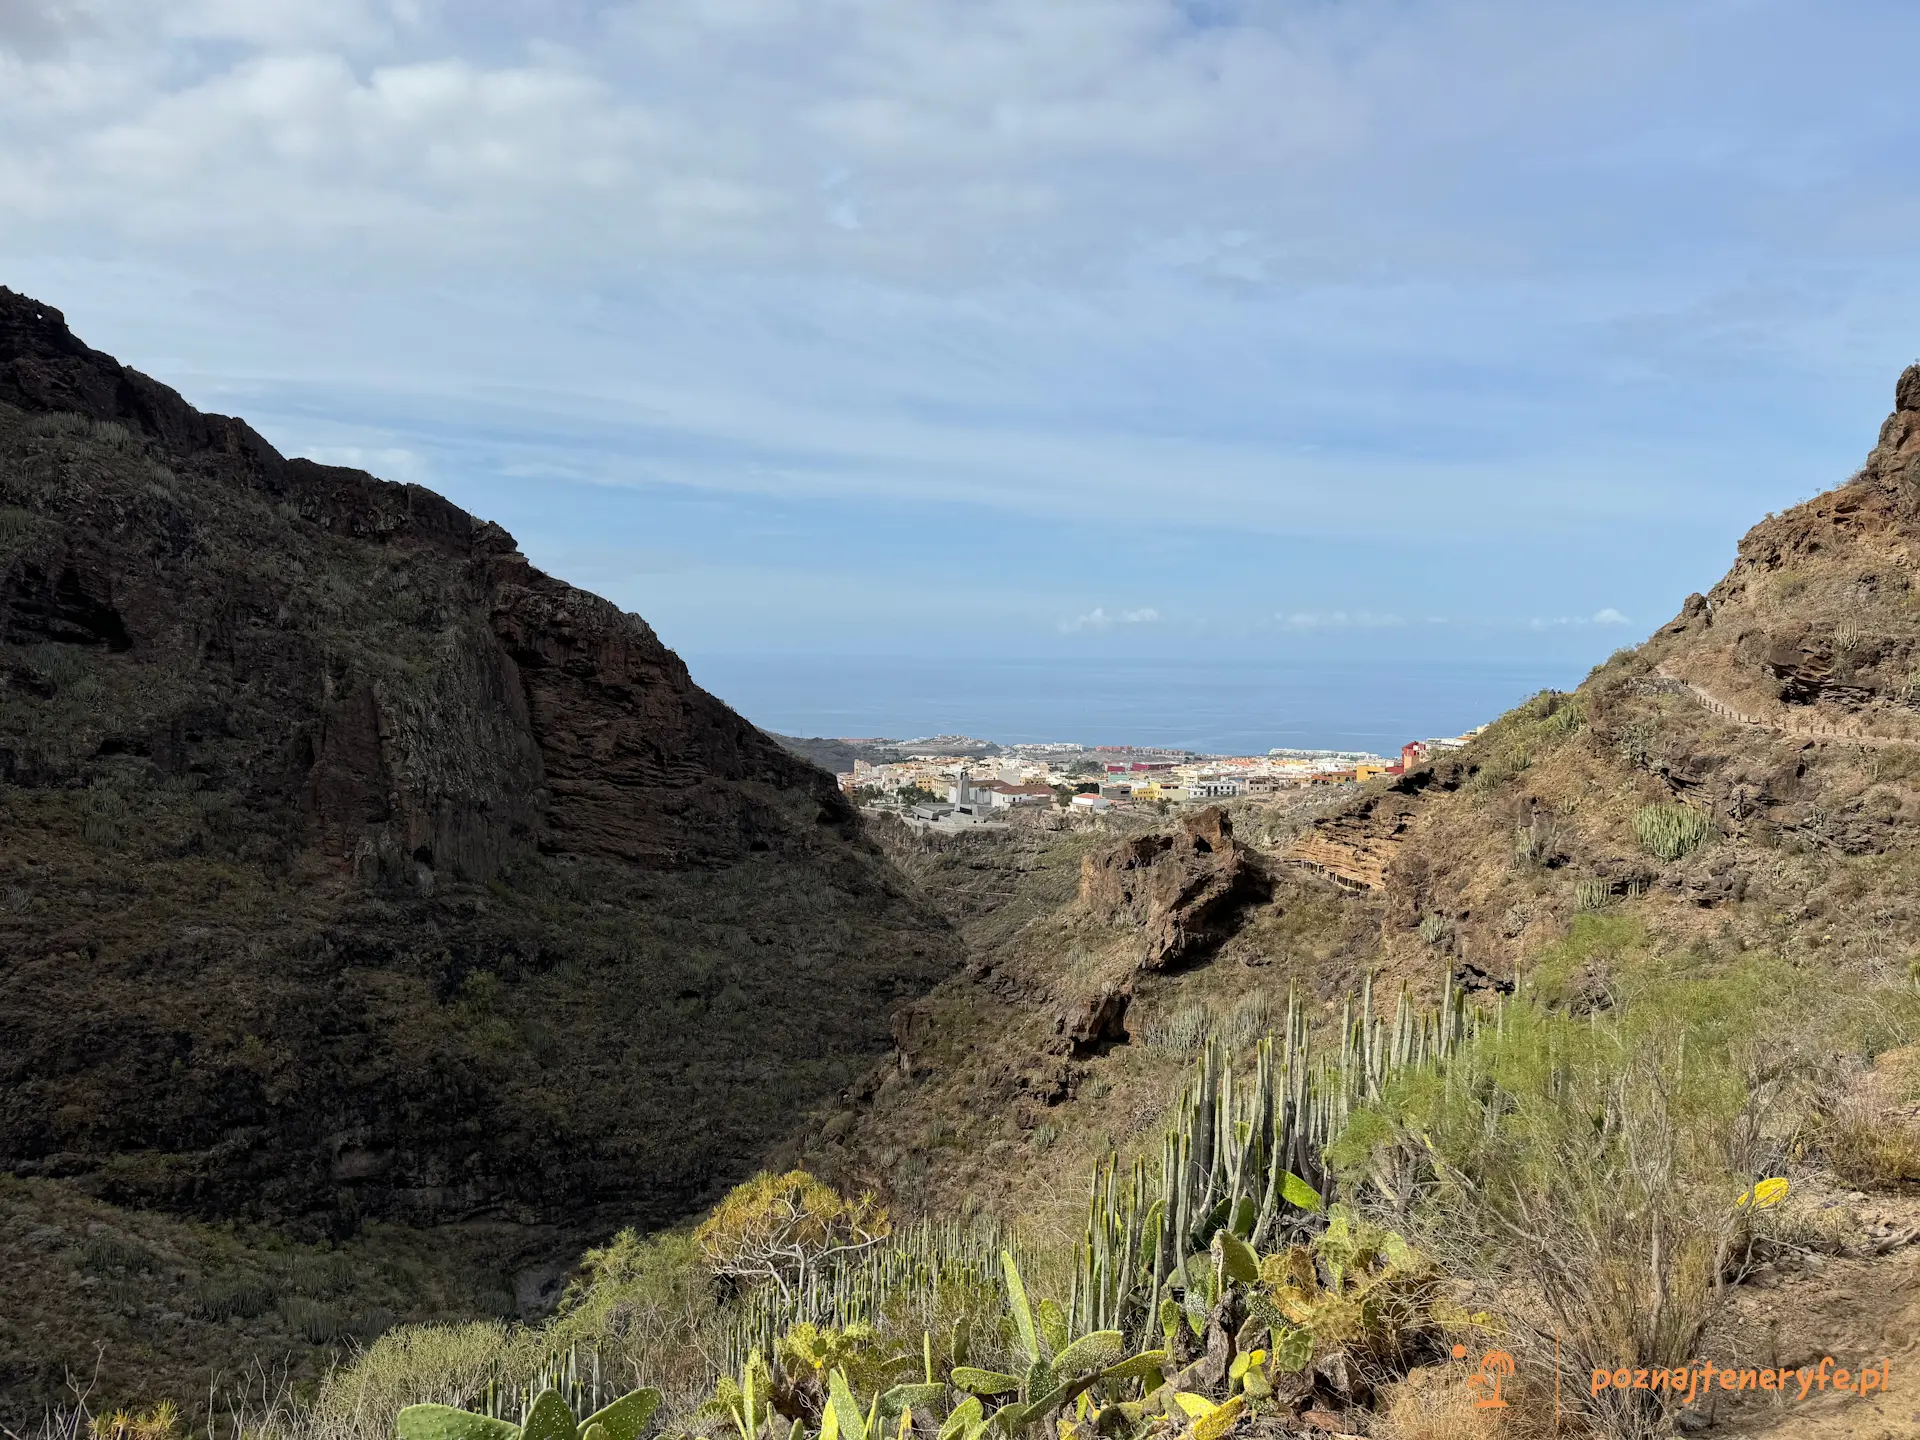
x=349, y=865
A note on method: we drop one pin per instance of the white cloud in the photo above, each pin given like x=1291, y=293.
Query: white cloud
x=1098, y=619
x=1304, y=290
x=1337, y=620
x=1608, y=616
x=973, y=135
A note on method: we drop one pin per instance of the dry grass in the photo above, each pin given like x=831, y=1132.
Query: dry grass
x=1870, y=1136
x=1870, y=1148
x=1818, y=1227
x=1436, y=1403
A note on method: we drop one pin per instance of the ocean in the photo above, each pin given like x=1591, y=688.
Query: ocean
x=1211, y=706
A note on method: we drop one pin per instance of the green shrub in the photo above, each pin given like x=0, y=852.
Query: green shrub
x=112, y=434
x=1567, y=716
x=319, y=1273
x=108, y=1254
x=314, y=1321
x=1593, y=894
x=1637, y=744
x=1671, y=832
x=16, y=527
x=1596, y=1161
x=60, y=422
x=1183, y=1031
x=1495, y=771
x=105, y=820
x=64, y=665
x=233, y=1297
x=1536, y=843
x=1436, y=929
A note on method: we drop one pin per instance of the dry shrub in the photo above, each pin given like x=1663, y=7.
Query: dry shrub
x=1823, y=1229
x=1596, y=1164
x=1436, y=1403
x=1871, y=1135
x=437, y=1364
x=782, y=1228
x=1866, y=1146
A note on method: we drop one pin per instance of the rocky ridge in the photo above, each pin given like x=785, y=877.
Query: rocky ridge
x=351, y=867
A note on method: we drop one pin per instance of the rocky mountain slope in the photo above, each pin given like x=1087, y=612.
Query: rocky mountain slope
x=351, y=867
x=1778, y=716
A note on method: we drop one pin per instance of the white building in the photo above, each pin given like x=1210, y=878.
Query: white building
x=1214, y=787
x=969, y=801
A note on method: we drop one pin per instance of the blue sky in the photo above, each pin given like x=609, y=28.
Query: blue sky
x=1476, y=330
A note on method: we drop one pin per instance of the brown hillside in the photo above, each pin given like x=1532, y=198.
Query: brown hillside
x=1816, y=629
x=1476, y=864
x=351, y=867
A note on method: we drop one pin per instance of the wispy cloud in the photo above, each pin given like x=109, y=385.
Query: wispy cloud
x=1099, y=619
x=1608, y=616
x=1337, y=620
x=1304, y=291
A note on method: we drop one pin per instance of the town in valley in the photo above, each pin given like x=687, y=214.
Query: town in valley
x=951, y=780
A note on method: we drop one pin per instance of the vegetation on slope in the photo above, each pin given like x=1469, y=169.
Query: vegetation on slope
x=1671, y=956
x=354, y=872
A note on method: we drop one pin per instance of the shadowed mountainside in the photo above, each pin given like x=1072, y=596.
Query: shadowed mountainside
x=352, y=867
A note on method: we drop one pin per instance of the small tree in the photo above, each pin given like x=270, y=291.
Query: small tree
x=781, y=1228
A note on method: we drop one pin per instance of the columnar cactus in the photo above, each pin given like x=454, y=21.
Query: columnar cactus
x=548, y=1418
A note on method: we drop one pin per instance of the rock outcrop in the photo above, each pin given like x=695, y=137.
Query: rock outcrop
x=1356, y=845
x=1182, y=891
x=1095, y=1021
x=351, y=866
x=1815, y=623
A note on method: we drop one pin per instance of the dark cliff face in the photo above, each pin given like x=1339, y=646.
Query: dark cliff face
x=349, y=865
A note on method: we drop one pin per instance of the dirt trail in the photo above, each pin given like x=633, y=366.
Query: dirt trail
x=1853, y=736
x=1860, y=1312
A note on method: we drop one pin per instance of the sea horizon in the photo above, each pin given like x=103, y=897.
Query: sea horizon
x=1207, y=705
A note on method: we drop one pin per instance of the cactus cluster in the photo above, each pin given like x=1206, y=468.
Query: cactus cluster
x=546, y=1417
x=1593, y=894
x=823, y=1385
x=1671, y=831
x=1244, y=1156
x=1169, y=1263
x=922, y=1272
x=1244, y=1333
x=571, y=1376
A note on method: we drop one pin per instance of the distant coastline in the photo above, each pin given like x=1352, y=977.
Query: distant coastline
x=1202, y=706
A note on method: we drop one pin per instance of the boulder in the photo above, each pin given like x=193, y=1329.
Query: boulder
x=1183, y=891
